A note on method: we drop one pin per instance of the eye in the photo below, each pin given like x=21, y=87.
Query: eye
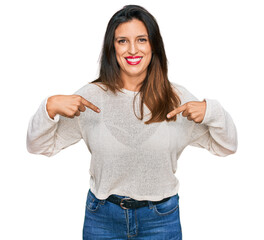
x=142, y=40
x=121, y=41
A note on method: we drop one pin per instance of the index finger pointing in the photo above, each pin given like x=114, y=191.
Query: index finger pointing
x=90, y=105
x=177, y=110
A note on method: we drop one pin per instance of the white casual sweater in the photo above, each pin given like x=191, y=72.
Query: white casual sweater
x=128, y=157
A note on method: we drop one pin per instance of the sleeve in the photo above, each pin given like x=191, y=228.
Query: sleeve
x=47, y=136
x=217, y=132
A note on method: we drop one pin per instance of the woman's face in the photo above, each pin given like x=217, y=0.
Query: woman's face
x=133, y=50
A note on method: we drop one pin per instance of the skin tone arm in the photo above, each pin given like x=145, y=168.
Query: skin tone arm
x=193, y=110
x=68, y=105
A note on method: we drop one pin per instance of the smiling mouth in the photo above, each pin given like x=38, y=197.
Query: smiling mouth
x=133, y=61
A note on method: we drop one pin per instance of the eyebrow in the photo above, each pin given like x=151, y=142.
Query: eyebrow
x=143, y=35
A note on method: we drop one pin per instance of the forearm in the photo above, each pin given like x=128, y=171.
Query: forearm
x=217, y=132
x=41, y=131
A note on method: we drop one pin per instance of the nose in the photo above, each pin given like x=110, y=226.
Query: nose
x=132, y=48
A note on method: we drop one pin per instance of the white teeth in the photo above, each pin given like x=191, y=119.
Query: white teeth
x=134, y=59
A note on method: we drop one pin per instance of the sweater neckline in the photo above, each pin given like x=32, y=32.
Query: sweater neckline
x=129, y=92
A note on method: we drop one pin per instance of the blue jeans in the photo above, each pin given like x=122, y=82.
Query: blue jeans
x=106, y=220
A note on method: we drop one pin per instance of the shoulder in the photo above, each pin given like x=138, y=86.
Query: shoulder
x=179, y=88
x=184, y=94
x=91, y=91
x=91, y=88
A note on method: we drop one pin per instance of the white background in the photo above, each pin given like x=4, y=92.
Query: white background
x=214, y=48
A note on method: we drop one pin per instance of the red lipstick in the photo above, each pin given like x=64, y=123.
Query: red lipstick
x=133, y=60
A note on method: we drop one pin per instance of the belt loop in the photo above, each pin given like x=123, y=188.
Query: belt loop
x=150, y=204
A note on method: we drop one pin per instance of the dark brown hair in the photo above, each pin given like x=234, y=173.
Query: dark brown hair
x=156, y=90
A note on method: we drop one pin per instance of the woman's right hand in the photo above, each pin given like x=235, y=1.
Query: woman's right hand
x=68, y=105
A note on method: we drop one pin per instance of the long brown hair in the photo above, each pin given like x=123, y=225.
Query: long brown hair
x=156, y=90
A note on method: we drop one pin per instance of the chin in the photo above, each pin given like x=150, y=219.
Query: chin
x=134, y=74
x=135, y=71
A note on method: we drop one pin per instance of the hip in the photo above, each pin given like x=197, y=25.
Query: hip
x=107, y=220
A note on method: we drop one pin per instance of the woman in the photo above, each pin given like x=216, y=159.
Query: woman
x=134, y=143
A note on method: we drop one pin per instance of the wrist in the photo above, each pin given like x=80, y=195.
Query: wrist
x=50, y=110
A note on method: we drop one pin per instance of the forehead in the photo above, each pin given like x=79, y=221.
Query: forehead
x=131, y=29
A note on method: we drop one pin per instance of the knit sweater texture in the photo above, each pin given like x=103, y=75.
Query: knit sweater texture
x=129, y=157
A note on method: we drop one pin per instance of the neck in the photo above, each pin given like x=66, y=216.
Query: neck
x=132, y=83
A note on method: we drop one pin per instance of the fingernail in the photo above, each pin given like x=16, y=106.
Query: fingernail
x=98, y=110
x=168, y=115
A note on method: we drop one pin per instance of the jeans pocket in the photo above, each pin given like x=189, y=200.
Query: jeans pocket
x=167, y=207
x=92, y=203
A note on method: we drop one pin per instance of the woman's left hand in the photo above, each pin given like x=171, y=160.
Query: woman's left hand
x=194, y=111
